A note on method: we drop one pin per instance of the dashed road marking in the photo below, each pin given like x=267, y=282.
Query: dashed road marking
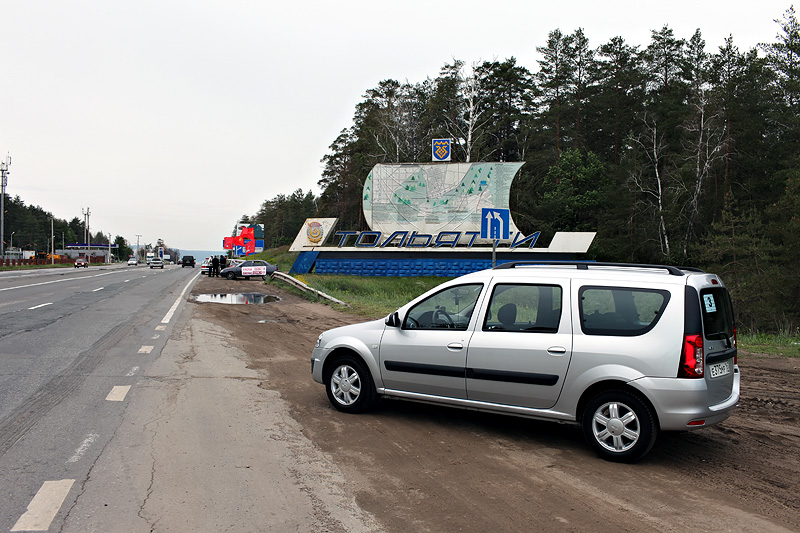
x=44, y=506
x=161, y=328
x=98, y=289
x=88, y=441
x=154, y=337
x=40, y=305
x=146, y=349
x=118, y=393
x=132, y=372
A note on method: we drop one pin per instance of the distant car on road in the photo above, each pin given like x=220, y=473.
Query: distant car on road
x=80, y=262
x=157, y=262
x=133, y=261
x=187, y=260
x=204, y=266
x=246, y=269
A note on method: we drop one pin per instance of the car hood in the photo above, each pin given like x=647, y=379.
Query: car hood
x=356, y=330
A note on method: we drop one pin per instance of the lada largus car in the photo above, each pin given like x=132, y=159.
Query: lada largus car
x=624, y=350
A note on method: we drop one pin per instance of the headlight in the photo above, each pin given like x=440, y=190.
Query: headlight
x=319, y=341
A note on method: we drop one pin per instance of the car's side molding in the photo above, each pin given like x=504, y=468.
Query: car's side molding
x=421, y=368
x=527, y=378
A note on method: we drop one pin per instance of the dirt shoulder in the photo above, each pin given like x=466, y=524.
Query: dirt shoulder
x=427, y=468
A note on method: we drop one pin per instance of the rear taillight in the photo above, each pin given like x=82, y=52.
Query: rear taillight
x=692, y=357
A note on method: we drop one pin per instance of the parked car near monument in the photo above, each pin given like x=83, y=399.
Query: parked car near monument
x=624, y=350
x=247, y=269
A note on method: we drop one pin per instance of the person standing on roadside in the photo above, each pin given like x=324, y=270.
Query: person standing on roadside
x=215, y=266
x=223, y=262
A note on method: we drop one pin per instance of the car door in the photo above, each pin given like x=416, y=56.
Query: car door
x=427, y=354
x=520, y=351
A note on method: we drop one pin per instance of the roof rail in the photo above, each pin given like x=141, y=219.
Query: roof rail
x=584, y=265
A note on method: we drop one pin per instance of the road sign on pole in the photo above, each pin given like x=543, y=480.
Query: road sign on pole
x=495, y=224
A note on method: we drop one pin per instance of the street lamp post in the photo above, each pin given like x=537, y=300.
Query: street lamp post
x=11, y=243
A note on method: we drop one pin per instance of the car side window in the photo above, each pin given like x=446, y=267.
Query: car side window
x=620, y=311
x=449, y=309
x=528, y=308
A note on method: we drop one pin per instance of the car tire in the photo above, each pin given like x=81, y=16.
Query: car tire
x=349, y=385
x=230, y=275
x=619, y=426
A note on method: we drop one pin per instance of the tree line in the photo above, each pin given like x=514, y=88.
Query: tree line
x=673, y=154
x=31, y=228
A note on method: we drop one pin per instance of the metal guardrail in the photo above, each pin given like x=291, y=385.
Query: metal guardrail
x=303, y=287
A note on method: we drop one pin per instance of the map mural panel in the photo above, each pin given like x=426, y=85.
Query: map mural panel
x=435, y=197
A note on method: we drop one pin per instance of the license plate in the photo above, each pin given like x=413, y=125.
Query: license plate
x=719, y=369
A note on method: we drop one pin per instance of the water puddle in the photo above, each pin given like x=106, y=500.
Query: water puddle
x=235, y=299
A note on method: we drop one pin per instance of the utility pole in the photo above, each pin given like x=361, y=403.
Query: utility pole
x=87, y=234
x=3, y=182
x=52, y=244
x=138, y=252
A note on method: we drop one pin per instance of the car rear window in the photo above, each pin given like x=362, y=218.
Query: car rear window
x=621, y=311
x=717, y=311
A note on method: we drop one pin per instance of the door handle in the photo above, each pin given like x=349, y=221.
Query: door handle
x=557, y=350
x=455, y=346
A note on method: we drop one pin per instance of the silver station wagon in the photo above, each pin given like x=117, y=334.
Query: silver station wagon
x=624, y=350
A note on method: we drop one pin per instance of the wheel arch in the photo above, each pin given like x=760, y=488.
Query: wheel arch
x=343, y=351
x=612, y=385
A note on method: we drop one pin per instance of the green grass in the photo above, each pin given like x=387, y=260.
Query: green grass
x=786, y=345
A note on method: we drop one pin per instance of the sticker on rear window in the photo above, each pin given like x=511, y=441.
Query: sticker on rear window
x=711, y=306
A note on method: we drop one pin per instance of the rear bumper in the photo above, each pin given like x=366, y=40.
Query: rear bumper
x=683, y=404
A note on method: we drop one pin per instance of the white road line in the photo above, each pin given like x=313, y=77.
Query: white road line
x=44, y=506
x=145, y=349
x=171, y=312
x=55, y=281
x=40, y=305
x=154, y=337
x=161, y=328
x=118, y=393
x=132, y=372
x=98, y=289
x=88, y=441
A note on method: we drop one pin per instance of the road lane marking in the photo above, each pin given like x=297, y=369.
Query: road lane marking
x=146, y=349
x=171, y=312
x=161, y=328
x=98, y=289
x=154, y=337
x=44, y=506
x=118, y=393
x=56, y=281
x=88, y=441
x=40, y=305
x=132, y=372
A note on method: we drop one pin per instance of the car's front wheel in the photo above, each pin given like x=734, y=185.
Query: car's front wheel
x=230, y=275
x=619, y=426
x=349, y=385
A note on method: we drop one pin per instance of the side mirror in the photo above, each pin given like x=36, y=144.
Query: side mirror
x=393, y=320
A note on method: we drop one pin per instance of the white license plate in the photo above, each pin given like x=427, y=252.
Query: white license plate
x=720, y=369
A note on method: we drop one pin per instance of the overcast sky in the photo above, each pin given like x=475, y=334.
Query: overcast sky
x=171, y=119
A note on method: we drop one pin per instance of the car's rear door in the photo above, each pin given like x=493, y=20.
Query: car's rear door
x=521, y=348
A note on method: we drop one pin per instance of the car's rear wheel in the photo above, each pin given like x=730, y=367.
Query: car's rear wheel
x=619, y=426
x=349, y=385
